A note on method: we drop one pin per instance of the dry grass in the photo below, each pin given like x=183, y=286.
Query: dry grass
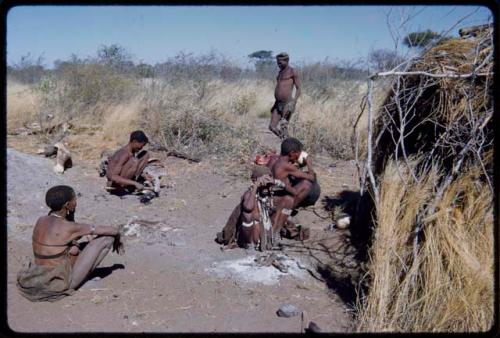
x=22, y=105
x=449, y=287
x=444, y=281
x=120, y=120
x=205, y=118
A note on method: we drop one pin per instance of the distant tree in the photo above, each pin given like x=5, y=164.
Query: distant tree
x=145, y=70
x=383, y=59
x=421, y=39
x=116, y=57
x=27, y=69
x=261, y=55
x=264, y=62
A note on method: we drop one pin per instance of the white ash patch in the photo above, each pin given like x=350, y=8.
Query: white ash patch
x=151, y=232
x=247, y=270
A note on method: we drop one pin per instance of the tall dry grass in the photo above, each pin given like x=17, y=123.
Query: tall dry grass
x=23, y=105
x=449, y=286
x=219, y=118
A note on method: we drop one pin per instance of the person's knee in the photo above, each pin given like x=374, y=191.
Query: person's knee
x=306, y=185
x=288, y=202
x=104, y=241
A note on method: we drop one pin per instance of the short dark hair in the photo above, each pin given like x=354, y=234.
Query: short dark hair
x=138, y=136
x=290, y=144
x=283, y=56
x=57, y=196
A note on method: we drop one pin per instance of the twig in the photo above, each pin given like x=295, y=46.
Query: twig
x=172, y=152
x=442, y=75
x=368, y=164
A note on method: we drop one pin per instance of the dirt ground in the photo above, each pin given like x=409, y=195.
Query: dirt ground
x=173, y=276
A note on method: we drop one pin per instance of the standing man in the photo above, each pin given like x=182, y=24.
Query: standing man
x=284, y=105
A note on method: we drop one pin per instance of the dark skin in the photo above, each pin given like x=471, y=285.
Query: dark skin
x=56, y=229
x=123, y=167
x=250, y=209
x=285, y=167
x=272, y=160
x=286, y=80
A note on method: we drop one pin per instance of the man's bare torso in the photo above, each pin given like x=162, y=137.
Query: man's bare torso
x=281, y=170
x=284, y=85
x=120, y=156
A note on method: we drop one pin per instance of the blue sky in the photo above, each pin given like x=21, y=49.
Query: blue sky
x=154, y=33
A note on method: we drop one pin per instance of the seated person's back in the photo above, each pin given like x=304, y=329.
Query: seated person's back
x=61, y=263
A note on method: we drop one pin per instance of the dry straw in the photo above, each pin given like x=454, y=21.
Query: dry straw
x=431, y=261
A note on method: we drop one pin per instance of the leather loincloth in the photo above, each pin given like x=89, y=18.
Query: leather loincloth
x=45, y=283
x=284, y=106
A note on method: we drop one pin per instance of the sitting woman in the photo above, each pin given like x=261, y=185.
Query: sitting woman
x=255, y=220
x=252, y=220
x=62, y=264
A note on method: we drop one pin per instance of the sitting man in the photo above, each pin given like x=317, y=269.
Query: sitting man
x=251, y=221
x=126, y=165
x=61, y=263
x=301, y=186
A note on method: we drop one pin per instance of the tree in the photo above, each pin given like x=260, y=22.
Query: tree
x=421, y=39
x=383, y=59
x=116, y=57
x=262, y=55
x=145, y=70
x=263, y=60
x=28, y=69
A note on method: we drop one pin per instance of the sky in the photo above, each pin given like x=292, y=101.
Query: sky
x=152, y=34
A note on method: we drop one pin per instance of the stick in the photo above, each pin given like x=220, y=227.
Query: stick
x=368, y=164
x=172, y=152
x=442, y=75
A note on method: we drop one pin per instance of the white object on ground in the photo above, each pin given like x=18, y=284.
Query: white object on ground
x=343, y=222
x=288, y=310
x=246, y=270
x=63, y=155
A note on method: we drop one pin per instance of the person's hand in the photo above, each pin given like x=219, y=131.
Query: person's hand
x=74, y=251
x=118, y=245
x=308, y=160
x=139, y=186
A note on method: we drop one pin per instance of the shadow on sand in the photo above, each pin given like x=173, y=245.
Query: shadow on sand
x=103, y=272
x=339, y=256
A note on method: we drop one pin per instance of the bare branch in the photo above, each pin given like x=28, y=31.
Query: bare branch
x=442, y=75
x=369, y=141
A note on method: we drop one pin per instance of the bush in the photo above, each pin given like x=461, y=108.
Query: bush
x=27, y=70
x=77, y=86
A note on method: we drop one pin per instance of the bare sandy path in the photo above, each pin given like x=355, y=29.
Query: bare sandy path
x=173, y=276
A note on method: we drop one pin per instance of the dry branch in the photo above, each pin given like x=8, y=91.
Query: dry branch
x=172, y=152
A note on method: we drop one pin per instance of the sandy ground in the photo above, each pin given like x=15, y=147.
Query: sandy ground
x=173, y=276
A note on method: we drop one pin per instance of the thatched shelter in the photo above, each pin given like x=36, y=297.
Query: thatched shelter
x=441, y=111
x=431, y=252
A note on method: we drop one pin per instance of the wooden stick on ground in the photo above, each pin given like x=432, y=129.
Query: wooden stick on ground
x=172, y=152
